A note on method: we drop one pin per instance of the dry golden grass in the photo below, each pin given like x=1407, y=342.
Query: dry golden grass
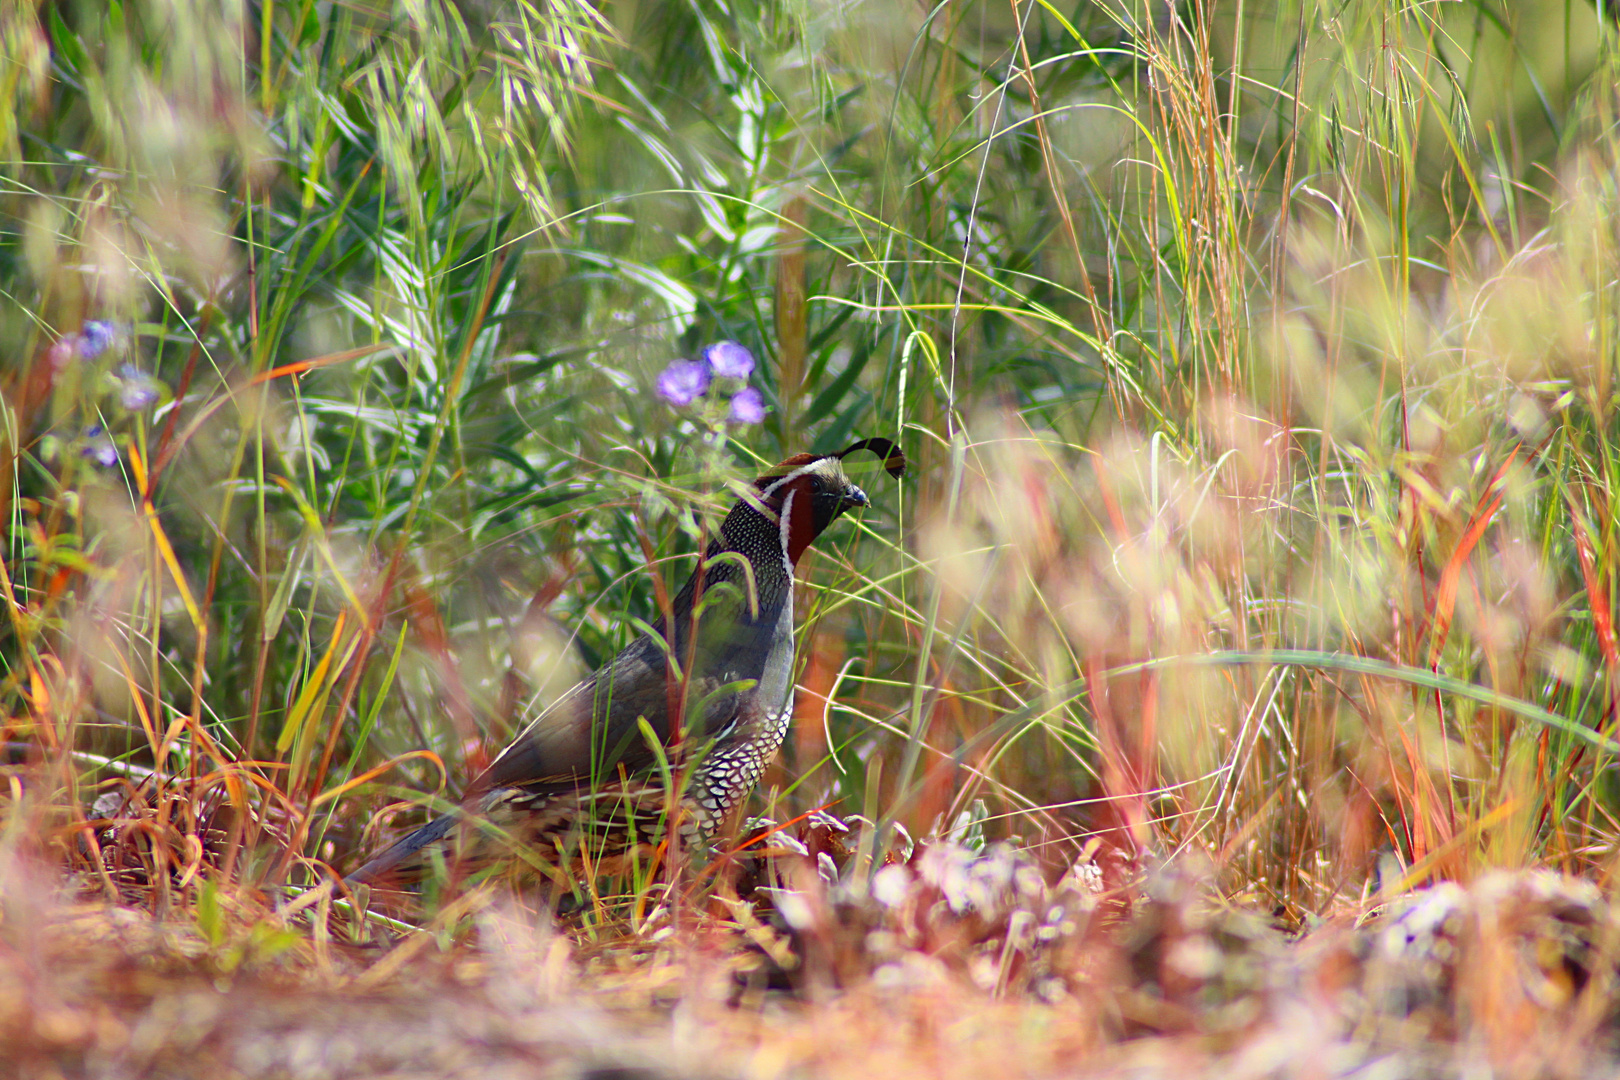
x=960, y=968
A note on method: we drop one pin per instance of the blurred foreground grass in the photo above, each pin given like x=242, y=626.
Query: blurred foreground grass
x=1258, y=363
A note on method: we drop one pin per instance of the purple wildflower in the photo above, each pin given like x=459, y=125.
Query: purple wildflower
x=95, y=337
x=748, y=407
x=92, y=339
x=729, y=360
x=62, y=351
x=137, y=389
x=683, y=382
x=99, y=448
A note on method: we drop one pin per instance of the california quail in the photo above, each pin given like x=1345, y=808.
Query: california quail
x=732, y=636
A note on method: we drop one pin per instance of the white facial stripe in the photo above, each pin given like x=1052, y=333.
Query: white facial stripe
x=818, y=465
x=790, y=477
x=783, y=530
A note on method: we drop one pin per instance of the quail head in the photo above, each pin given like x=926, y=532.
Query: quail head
x=709, y=691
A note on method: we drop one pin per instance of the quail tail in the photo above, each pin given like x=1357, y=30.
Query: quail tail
x=403, y=850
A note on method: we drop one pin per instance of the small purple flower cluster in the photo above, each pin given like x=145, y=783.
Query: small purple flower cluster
x=134, y=390
x=137, y=390
x=99, y=448
x=92, y=339
x=684, y=381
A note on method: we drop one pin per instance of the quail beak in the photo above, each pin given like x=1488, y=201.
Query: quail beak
x=854, y=496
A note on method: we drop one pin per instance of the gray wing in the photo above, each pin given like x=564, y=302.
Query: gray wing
x=565, y=746
x=586, y=735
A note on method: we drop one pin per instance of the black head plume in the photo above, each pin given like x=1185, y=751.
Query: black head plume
x=894, y=459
